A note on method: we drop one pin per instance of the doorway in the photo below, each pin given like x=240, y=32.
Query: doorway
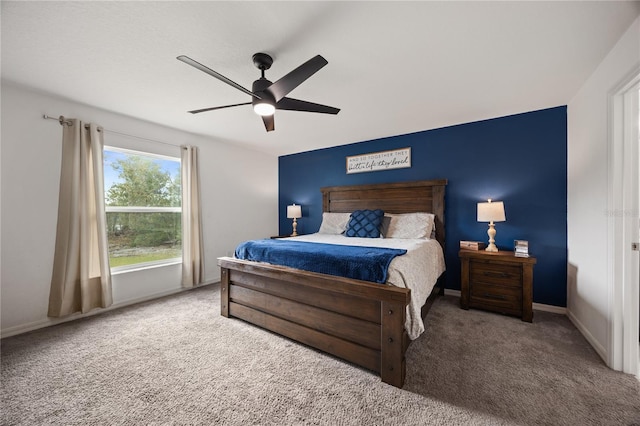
x=624, y=226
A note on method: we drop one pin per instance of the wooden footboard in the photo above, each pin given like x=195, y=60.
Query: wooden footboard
x=357, y=321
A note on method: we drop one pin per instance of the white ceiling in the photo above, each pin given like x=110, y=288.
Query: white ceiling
x=394, y=67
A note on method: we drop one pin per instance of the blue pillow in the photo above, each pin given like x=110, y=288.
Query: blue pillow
x=365, y=224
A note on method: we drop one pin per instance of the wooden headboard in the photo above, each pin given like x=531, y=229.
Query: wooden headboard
x=398, y=197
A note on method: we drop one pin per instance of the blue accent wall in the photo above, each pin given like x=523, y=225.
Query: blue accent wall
x=519, y=159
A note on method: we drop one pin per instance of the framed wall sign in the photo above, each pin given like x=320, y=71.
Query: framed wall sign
x=383, y=160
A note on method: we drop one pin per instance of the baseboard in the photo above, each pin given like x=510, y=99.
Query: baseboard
x=550, y=308
x=448, y=292
x=536, y=306
x=600, y=350
x=35, y=325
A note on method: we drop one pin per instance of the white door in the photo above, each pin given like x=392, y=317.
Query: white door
x=624, y=227
x=636, y=282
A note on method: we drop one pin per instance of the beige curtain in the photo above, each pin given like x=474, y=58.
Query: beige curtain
x=81, y=278
x=192, y=245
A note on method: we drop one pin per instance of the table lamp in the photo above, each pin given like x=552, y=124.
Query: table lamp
x=491, y=212
x=294, y=212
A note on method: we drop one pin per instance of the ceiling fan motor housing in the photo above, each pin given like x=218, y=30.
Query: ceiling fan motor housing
x=258, y=88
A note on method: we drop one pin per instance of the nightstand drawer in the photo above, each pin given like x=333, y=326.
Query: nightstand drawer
x=496, y=297
x=496, y=273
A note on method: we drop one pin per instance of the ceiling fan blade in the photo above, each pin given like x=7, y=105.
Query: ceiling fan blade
x=286, y=84
x=291, y=104
x=198, y=65
x=196, y=111
x=269, y=122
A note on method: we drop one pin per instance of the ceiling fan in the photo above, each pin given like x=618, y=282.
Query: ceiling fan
x=267, y=96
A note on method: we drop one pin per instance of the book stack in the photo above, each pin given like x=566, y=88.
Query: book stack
x=521, y=248
x=472, y=245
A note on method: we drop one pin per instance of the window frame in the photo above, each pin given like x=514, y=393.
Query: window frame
x=143, y=209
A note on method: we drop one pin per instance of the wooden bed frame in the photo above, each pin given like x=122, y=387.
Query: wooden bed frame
x=358, y=321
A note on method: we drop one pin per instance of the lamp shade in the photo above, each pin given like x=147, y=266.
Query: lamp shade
x=491, y=212
x=294, y=211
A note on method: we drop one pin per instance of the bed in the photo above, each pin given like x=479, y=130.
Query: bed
x=358, y=321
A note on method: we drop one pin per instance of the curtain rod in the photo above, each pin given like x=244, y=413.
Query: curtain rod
x=62, y=120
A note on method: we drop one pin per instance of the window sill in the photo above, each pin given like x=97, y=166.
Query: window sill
x=144, y=266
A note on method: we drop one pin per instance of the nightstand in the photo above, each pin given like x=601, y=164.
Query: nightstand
x=275, y=237
x=497, y=281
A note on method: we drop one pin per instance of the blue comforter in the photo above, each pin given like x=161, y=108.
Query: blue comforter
x=362, y=263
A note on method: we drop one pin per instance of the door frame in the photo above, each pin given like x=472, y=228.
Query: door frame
x=623, y=222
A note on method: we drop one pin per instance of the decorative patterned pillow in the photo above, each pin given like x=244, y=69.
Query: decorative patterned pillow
x=365, y=224
x=409, y=225
x=334, y=223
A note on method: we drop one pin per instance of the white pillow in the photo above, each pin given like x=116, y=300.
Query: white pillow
x=410, y=225
x=334, y=223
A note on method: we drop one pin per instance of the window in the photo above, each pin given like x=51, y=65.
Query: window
x=143, y=207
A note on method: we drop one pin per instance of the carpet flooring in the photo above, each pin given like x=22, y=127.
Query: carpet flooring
x=176, y=361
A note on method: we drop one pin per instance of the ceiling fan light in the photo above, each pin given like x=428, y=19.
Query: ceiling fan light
x=264, y=108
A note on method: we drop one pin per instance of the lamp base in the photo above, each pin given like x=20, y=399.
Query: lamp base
x=295, y=225
x=492, y=233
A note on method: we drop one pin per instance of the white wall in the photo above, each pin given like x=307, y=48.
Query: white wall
x=239, y=200
x=588, y=133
